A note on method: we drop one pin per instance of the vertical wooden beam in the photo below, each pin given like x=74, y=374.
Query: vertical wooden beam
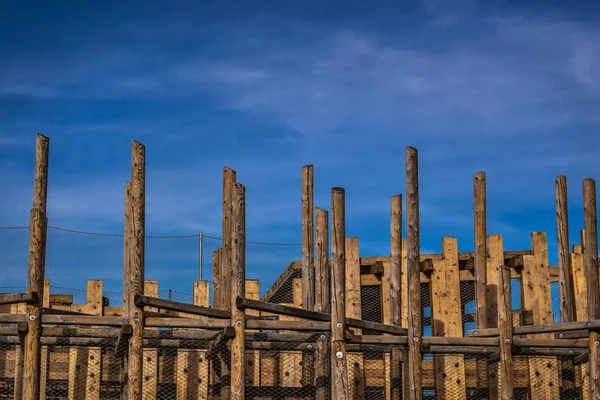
x=536, y=298
x=44, y=358
x=322, y=288
x=495, y=260
x=590, y=252
x=127, y=233
x=395, y=289
x=290, y=362
x=150, y=366
x=480, y=218
x=229, y=178
x=136, y=269
x=594, y=364
x=447, y=321
x=238, y=274
x=582, y=378
x=505, y=326
x=253, y=363
x=94, y=354
x=36, y=270
x=414, y=271
x=356, y=370
x=565, y=279
x=308, y=271
x=339, y=371
x=217, y=295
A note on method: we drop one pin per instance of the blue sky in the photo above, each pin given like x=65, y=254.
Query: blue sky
x=512, y=88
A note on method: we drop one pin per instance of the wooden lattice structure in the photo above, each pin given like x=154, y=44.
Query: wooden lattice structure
x=335, y=325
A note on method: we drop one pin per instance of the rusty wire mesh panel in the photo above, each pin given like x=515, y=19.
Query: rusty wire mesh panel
x=11, y=356
x=82, y=363
x=472, y=376
x=561, y=376
x=184, y=364
x=371, y=306
x=376, y=371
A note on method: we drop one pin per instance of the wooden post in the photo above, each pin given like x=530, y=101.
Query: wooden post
x=414, y=271
x=590, y=248
x=36, y=270
x=238, y=274
x=322, y=287
x=150, y=366
x=505, y=326
x=339, y=371
x=590, y=260
x=356, y=372
x=447, y=321
x=479, y=189
x=308, y=271
x=395, y=289
x=582, y=378
x=229, y=177
x=127, y=232
x=136, y=268
x=253, y=364
x=565, y=279
x=217, y=295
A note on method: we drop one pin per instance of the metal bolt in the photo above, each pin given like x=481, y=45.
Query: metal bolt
x=475, y=333
x=570, y=351
x=32, y=317
x=485, y=350
x=238, y=322
x=416, y=339
x=507, y=340
x=136, y=320
x=339, y=324
x=310, y=346
x=597, y=342
x=23, y=296
x=146, y=299
x=561, y=335
x=339, y=354
x=322, y=337
x=589, y=324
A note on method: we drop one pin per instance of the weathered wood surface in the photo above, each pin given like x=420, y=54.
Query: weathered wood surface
x=238, y=274
x=322, y=303
x=355, y=362
x=414, y=287
x=308, y=271
x=480, y=235
x=506, y=365
x=565, y=280
x=339, y=368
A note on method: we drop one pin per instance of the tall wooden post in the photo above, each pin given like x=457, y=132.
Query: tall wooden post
x=414, y=270
x=136, y=268
x=217, y=289
x=395, y=287
x=229, y=177
x=238, y=283
x=590, y=256
x=322, y=288
x=565, y=278
x=308, y=271
x=36, y=270
x=479, y=189
x=590, y=260
x=505, y=327
x=339, y=370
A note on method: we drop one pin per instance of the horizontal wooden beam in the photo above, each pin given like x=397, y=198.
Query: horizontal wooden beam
x=551, y=343
x=82, y=320
x=219, y=343
x=146, y=301
x=11, y=318
x=15, y=298
x=274, y=308
x=542, y=328
x=375, y=326
x=316, y=326
x=205, y=323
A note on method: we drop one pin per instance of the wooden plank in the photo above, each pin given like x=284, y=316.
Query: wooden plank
x=147, y=301
x=479, y=261
x=238, y=274
x=447, y=321
x=536, y=298
x=217, y=297
x=308, y=271
x=566, y=291
x=35, y=271
x=253, y=357
x=339, y=370
x=594, y=364
x=150, y=363
x=495, y=259
x=290, y=362
x=582, y=380
x=356, y=374
x=282, y=309
x=590, y=248
x=414, y=287
x=395, y=275
x=15, y=298
x=506, y=366
x=322, y=303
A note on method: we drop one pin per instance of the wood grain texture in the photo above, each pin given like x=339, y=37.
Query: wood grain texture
x=590, y=248
x=495, y=260
x=40, y=187
x=217, y=298
x=480, y=235
x=506, y=367
x=395, y=303
x=238, y=282
x=322, y=303
x=308, y=270
x=35, y=283
x=565, y=279
x=136, y=269
x=356, y=377
x=594, y=364
x=414, y=287
x=339, y=371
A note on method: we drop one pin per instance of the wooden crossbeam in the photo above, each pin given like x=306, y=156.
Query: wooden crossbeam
x=15, y=298
x=147, y=301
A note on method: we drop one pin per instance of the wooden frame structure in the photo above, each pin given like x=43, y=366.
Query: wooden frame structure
x=318, y=341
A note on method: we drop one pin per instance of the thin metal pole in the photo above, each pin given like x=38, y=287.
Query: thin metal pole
x=200, y=254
